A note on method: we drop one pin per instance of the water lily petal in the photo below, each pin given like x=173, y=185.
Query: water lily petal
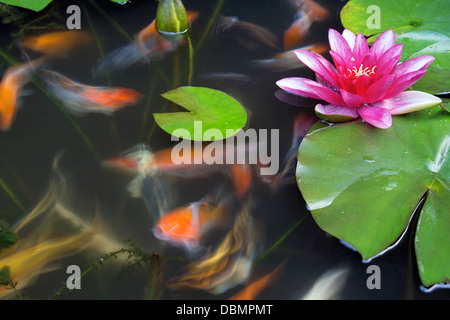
x=388, y=61
x=331, y=72
x=333, y=113
x=362, y=83
x=376, y=91
x=376, y=116
x=350, y=37
x=339, y=62
x=339, y=44
x=370, y=60
x=347, y=84
x=361, y=48
x=297, y=86
x=317, y=64
x=384, y=41
x=351, y=99
x=408, y=101
x=324, y=92
x=403, y=82
x=414, y=64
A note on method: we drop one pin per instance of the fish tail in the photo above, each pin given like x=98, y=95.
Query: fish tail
x=119, y=59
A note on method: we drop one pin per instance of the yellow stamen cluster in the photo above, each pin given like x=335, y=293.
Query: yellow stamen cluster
x=355, y=73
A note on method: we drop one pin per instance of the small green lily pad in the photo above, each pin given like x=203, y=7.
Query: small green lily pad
x=213, y=114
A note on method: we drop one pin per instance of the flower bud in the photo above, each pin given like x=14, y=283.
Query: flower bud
x=171, y=19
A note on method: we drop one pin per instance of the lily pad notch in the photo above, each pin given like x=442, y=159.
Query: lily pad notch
x=212, y=114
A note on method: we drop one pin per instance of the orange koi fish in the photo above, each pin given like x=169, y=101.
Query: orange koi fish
x=241, y=175
x=14, y=79
x=298, y=30
x=56, y=44
x=308, y=11
x=186, y=225
x=255, y=288
x=288, y=60
x=229, y=264
x=148, y=45
x=81, y=99
x=142, y=158
x=314, y=10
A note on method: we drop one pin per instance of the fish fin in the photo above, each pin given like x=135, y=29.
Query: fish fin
x=223, y=23
x=299, y=14
x=134, y=187
x=75, y=109
x=120, y=58
x=140, y=147
x=26, y=92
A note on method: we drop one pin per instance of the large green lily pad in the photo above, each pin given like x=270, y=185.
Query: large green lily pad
x=363, y=184
x=417, y=40
x=213, y=114
x=401, y=16
x=437, y=78
x=445, y=104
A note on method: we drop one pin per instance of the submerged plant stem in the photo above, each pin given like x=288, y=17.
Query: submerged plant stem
x=176, y=70
x=97, y=41
x=11, y=194
x=112, y=21
x=9, y=168
x=269, y=250
x=133, y=253
x=191, y=58
x=152, y=130
x=147, y=104
x=210, y=23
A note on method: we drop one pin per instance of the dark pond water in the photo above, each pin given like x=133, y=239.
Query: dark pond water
x=43, y=129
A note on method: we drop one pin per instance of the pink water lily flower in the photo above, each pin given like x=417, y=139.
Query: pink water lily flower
x=366, y=82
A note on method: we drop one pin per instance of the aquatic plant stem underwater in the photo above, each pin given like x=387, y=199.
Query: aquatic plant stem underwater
x=133, y=253
x=211, y=21
x=11, y=194
x=16, y=177
x=283, y=237
x=191, y=57
x=5, y=280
